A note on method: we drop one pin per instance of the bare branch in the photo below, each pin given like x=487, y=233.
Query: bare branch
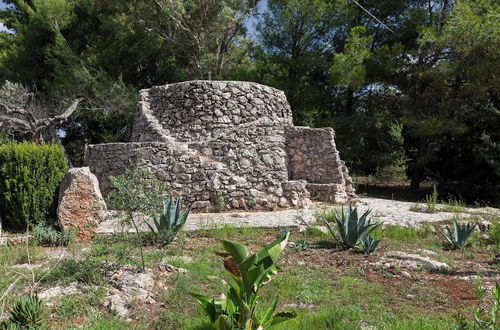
x=28, y=124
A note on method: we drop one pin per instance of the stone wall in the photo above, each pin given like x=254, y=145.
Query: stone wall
x=194, y=176
x=200, y=110
x=313, y=155
x=225, y=137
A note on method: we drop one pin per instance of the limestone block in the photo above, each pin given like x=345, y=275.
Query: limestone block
x=81, y=206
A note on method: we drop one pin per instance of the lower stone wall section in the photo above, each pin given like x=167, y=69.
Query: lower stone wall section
x=196, y=176
x=328, y=192
x=313, y=155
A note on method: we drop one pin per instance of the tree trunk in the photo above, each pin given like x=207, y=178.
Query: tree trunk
x=418, y=170
x=349, y=102
x=416, y=177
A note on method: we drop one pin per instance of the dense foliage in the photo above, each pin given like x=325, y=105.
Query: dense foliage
x=30, y=175
x=410, y=86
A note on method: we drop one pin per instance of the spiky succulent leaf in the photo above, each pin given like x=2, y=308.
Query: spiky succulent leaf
x=28, y=312
x=171, y=221
x=449, y=236
x=369, y=244
x=330, y=229
x=460, y=235
x=351, y=228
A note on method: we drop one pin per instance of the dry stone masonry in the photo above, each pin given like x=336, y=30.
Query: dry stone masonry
x=230, y=140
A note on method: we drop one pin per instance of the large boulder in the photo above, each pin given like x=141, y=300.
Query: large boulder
x=81, y=206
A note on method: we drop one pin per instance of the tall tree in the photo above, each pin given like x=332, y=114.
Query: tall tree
x=293, y=56
x=207, y=36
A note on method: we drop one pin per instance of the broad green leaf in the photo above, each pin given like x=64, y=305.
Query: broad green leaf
x=223, y=323
x=268, y=314
x=238, y=251
x=283, y=317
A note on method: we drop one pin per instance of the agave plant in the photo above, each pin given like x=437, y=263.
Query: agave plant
x=170, y=221
x=458, y=238
x=351, y=228
x=369, y=244
x=28, y=312
x=248, y=273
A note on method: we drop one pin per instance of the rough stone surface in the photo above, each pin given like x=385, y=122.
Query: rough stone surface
x=129, y=284
x=58, y=291
x=81, y=206
x=230, y=139
x=386, y=211
x=413, y=261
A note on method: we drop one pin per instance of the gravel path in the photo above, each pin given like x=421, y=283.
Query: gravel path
x=384, y=210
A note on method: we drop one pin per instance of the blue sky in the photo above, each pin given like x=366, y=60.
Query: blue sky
x=2, y=6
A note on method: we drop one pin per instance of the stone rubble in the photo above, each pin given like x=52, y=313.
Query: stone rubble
x=58, y=291
x=129, y=284
x=401, y=259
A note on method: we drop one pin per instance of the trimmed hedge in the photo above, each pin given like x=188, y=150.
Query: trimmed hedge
x=30, y=174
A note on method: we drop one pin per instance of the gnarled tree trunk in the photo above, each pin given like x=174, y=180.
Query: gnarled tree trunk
x=22, y=121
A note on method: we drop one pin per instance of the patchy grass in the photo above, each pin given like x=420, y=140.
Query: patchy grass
x=85, y=271
x=20, y=254
x=329, y=288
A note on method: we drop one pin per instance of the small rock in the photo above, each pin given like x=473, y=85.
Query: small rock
x=116, y=303
x=415, y=261
x=57, y=291
x=483, y=225
x=186, y=259
x=427, y=251
x=166, y=267
x=405, y=274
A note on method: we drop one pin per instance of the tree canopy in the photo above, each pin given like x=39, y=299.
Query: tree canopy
x=411, y=87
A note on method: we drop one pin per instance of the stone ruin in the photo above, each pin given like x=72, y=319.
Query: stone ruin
x=227, y=139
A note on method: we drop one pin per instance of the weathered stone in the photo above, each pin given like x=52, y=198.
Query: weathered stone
x=201, y=205
x=238, y=203
x=81, y=206
x=203, y=137
x=58, y=291
x=414, y=261
x=129, y=284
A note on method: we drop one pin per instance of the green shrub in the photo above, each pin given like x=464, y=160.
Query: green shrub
x=461, y=233
x=350, y=227
x=4, y=136
x=30, y=174
x=301, y=245
x=369, y=244
x=47, y=235
x=135, y=191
